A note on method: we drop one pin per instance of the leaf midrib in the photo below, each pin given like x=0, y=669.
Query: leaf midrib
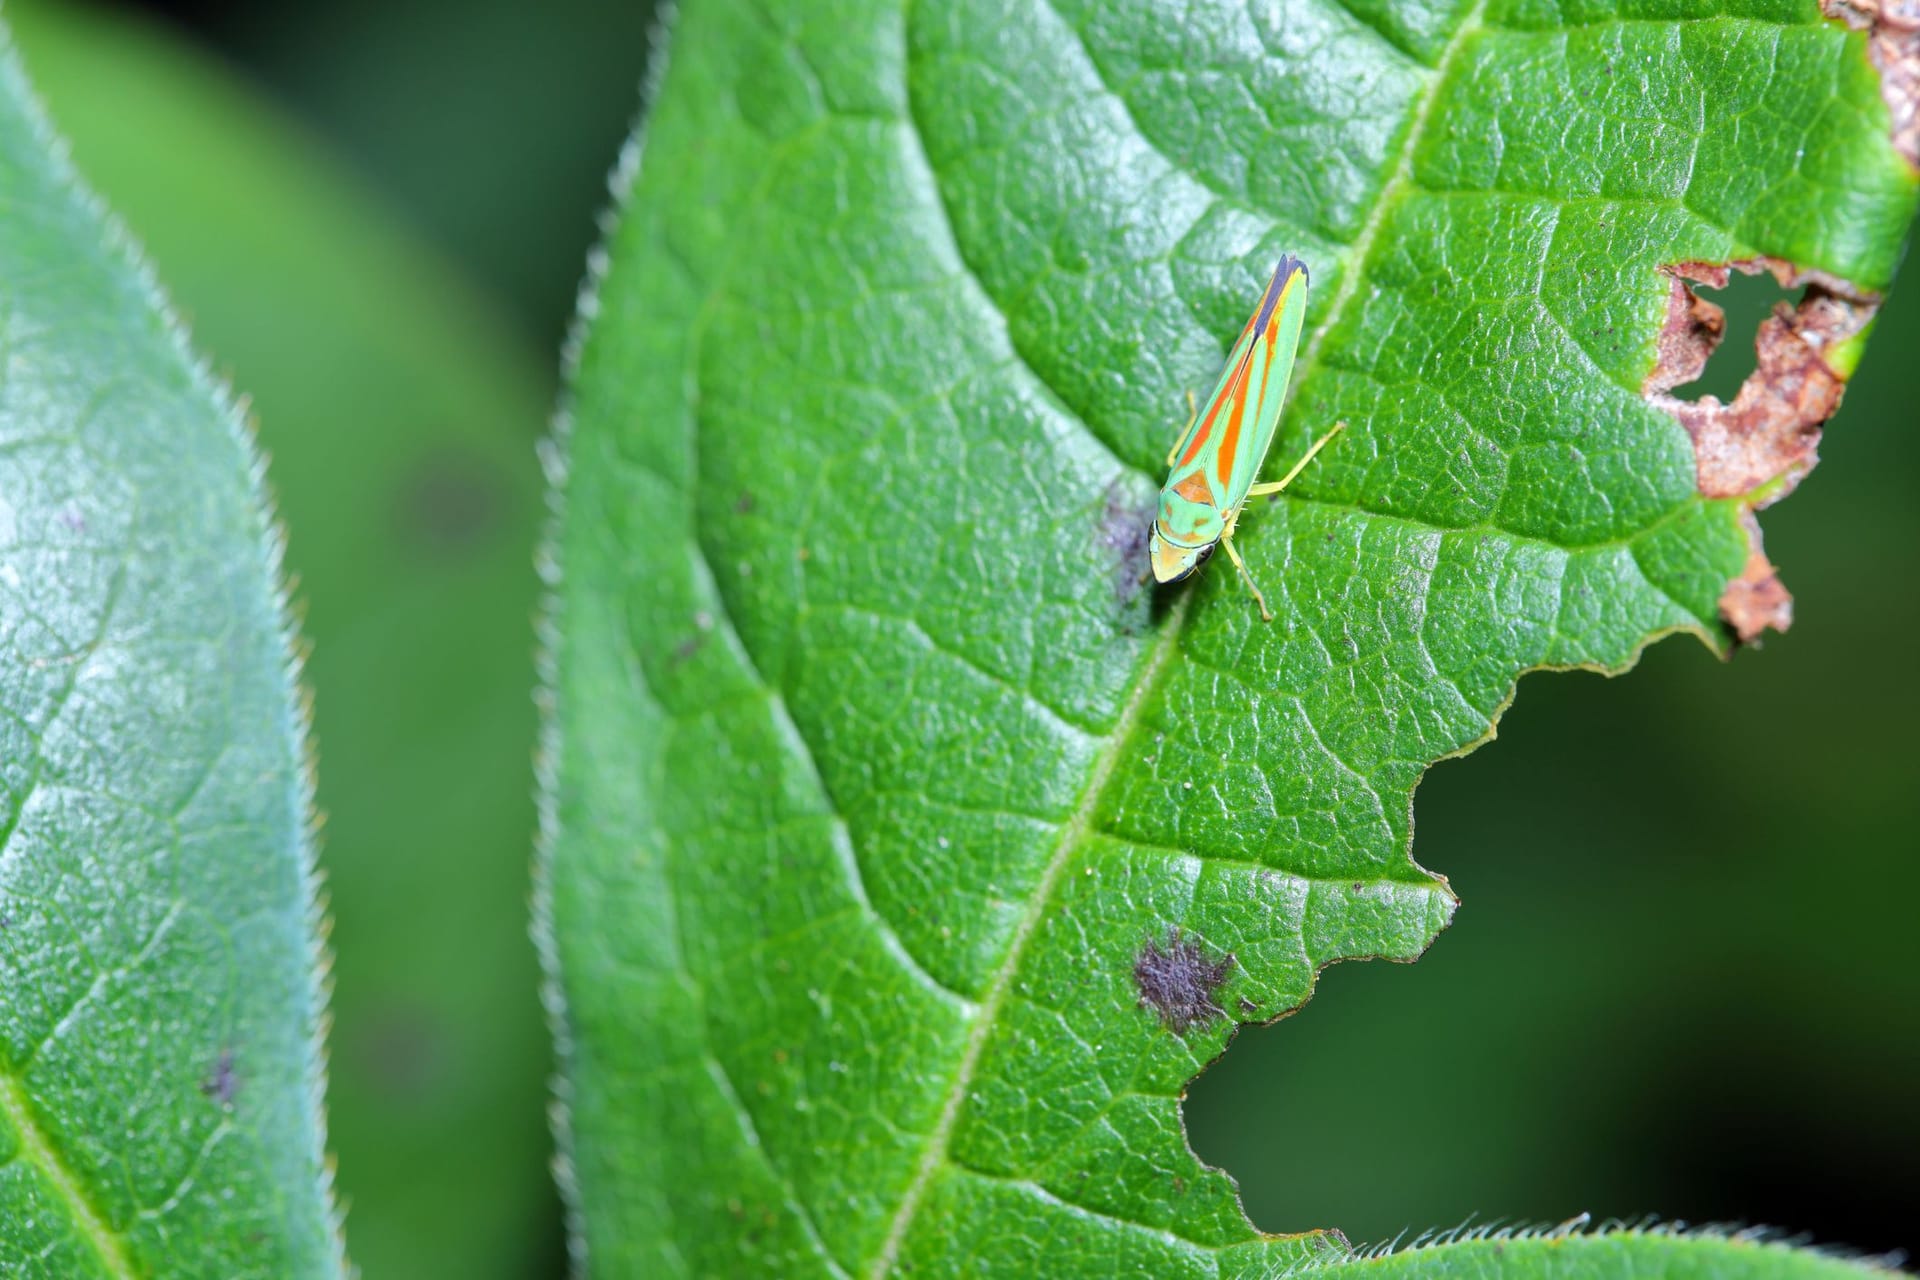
x=985, y=1017
x=1080, y=824
x=93, y=1228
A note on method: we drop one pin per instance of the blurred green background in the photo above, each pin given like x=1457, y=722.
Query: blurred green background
x=1682, y=980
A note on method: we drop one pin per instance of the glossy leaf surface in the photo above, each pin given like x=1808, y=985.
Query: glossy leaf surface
x=160, y=1061
x=907, y=856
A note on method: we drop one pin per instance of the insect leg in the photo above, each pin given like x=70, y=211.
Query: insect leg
x=1226, y=541
x=1257, y=490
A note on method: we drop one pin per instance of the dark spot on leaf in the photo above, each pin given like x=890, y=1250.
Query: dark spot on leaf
x=1893, y=42
x=221, y=1083
x=1124, y=525
x=743, y=504
x=1178, y=981
x=450, y=503
x=1248, y=1006
x=403, y=1051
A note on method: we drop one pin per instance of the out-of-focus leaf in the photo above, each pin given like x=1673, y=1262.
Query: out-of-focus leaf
x=492, y=121
x=400, y=416
x=886, y=803
x=160, y=972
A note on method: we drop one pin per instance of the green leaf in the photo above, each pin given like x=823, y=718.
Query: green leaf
x=400, y=416
x=160, y=1059
x=1633, y=1254
x=906, y=857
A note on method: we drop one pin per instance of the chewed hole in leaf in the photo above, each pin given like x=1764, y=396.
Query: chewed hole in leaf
x=1760, y=439
x=1755, y=412
x=1735, y=312
x=1328, y=1066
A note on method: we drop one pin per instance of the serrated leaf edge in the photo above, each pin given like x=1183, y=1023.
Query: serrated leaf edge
x=1580, y=1229
x=233, y=412
x=555, y=452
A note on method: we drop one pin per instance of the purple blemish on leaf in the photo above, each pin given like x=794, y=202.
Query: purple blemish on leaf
x=1177, y=980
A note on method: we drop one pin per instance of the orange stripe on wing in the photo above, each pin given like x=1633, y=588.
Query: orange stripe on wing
x=1200, y=434
x=1221, y=399
x=1230, y=443
x=1234, y=391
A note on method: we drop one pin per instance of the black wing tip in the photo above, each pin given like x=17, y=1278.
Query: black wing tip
x=1282, y=276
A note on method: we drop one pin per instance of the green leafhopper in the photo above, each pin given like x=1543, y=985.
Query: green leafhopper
x=1215, y=460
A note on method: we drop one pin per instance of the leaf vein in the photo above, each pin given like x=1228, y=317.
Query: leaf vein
x=933, y=644
x=107, y=1243
x=1390, y=191
x=802, y=750
x=717, y=1072
x=1080, y=824
x=1387, y=35
x=1079, y=1210
x=1071, y=838
x=917, y=134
